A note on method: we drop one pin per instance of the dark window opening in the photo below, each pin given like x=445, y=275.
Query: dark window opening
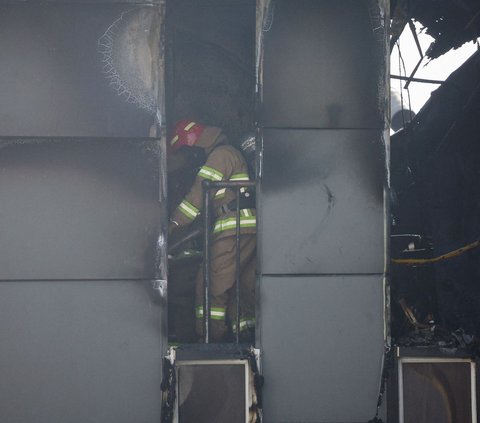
x=210, y=79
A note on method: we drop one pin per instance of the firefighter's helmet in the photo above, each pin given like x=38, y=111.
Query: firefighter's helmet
x=187, y=132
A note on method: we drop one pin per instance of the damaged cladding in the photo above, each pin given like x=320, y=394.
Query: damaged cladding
x=324, y=176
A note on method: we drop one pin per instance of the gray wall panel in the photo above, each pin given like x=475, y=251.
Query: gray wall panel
x=54, y=80
x=321, y=207
x=80, y=352
x=324, y=65
x=79, y=209
x=322, y=343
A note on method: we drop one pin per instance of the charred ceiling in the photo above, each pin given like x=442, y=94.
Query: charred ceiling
x=450, y=22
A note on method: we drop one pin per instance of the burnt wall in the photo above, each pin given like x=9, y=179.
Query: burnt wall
x=435, y=175
x=211, y=63
x=322, y=211
x=82, y=212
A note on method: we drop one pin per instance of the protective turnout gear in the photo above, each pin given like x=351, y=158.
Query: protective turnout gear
x=187, y=133
x=222, y=290
x=223, y=163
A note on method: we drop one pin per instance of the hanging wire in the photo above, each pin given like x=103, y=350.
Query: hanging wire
x=400, y=83
x=402, y=67
x=407, y=88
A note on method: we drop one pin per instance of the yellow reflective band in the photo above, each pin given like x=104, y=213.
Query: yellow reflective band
x=174, y=140
x=231, y=223
x=189, y=126
x=245, y=323
x=216, y=313
x=220, y=193
x=188, y=209
x=240, y=177
x=207, y=172
x=246, y=212
x=236, y=177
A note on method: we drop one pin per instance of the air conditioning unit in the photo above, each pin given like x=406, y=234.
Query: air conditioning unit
x=212, y=383
x=436, y=389
x=213, y=391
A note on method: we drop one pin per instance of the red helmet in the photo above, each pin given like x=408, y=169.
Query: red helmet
x=187, y=132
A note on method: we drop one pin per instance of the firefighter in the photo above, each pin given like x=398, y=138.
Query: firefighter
x=223, y=163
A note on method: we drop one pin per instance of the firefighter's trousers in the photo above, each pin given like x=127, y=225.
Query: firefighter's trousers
x=222, y=288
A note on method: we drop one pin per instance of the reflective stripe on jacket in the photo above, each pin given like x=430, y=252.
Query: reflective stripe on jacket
x=224, y=163
x=216, y=313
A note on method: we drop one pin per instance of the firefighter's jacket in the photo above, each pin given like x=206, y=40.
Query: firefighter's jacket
x=224, y=163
